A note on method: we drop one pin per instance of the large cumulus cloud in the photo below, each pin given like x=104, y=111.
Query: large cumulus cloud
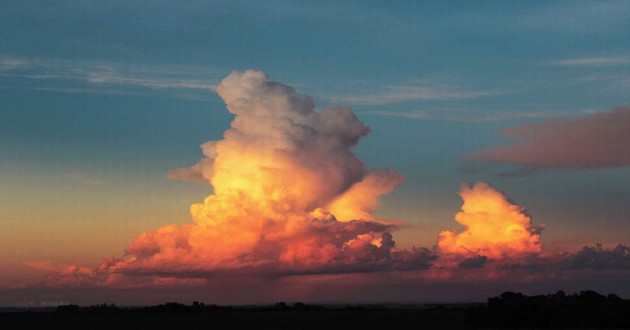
x=289, y=197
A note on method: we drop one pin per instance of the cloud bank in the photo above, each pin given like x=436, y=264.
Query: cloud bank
x=595, y=141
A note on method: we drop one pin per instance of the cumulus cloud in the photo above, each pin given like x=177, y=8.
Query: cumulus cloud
x=498, y=241
x=494, y=227
x=594, y=141
x=289, y=197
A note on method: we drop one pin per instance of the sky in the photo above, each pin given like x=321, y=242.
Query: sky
x=243, y=152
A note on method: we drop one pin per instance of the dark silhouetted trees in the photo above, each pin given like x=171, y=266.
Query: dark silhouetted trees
x=587, y=309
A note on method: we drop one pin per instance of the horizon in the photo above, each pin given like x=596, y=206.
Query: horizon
x=292, y=304
x=241, y=152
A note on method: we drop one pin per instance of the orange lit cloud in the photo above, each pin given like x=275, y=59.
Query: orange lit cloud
x=61, y=274
x=495, y=228
x=289, y=197
x=599, y=140
x=281, y=175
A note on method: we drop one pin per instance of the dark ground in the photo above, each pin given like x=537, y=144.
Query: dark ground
x=241, y=319
x=586, y=310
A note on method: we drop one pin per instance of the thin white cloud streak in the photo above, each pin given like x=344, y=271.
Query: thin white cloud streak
x=109, y=74
x=592, y=61
x=399, y=94
x=586, y=17
x=84, y=90
x=465, y=115
x=154, y=83
x=192, y=78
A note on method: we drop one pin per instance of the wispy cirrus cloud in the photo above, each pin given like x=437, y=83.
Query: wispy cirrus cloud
x=107, y=74
x=464, y=115
x=575, y=17
x=399, y=94
x=591, y=61
x=115, y=78
x=109, y=91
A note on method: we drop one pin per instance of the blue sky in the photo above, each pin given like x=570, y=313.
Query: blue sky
x=98, y=100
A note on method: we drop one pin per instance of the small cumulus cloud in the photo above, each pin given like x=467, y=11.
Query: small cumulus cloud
x=593, y=141
x=498, y=240
x=494, y=227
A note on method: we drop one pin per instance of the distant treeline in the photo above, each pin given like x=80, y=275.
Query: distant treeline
x=298, y=316
x=196, y=307
x=584, y=310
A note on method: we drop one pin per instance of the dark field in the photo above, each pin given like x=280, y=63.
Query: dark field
x=241, y=319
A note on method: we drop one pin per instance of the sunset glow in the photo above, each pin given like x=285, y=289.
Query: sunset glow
x=312, y=151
